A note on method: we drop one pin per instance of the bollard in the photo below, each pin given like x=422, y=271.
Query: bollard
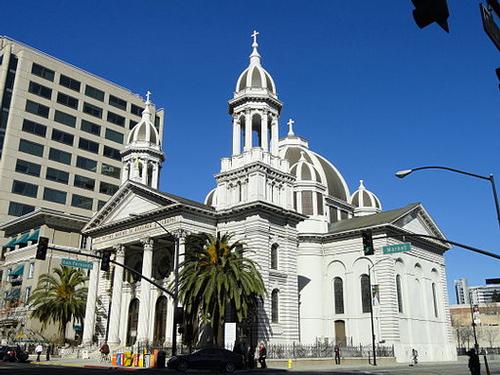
x=289, y=363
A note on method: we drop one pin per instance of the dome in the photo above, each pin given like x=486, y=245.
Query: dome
x=364, y=201
x=144, y=132
x=296, y=151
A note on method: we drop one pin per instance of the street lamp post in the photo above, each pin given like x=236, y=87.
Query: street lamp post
x=176, y=282
x=406, y=172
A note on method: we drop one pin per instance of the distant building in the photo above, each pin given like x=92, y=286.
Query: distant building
x=485, y=293
x=462, y=291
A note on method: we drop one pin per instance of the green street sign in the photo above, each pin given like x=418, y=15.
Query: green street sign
x=75, y=263
x=399, y=248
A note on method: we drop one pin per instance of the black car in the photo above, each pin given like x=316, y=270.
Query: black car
x=210, y=359
x=15, y=354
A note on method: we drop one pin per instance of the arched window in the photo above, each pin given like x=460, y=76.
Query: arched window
x=365, y=293
x=434, y=299
x=133, y=320
x=160, y=320
x=274, y=256
x=398, y=290
x=275, y=306
x=338, y=295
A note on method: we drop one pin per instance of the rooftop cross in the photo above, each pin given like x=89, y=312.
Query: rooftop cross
x=254, y=36
x=148, y=97
x=290, y=127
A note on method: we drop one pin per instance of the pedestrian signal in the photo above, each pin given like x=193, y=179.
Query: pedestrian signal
x=106, y=258
x=41, y=250
x=430, y=11
x=367, y=242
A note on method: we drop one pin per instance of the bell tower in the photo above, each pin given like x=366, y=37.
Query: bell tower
x=143, y=156
x=255, y=171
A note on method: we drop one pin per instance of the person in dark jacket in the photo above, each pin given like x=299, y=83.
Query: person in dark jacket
x=474, y=365
x=262, y=355
x=337, y=354
x=251, y=357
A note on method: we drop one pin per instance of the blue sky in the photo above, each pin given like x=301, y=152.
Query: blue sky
x=366, y=87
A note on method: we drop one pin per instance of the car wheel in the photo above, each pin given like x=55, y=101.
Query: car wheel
x=230, y=367
x=182, y=366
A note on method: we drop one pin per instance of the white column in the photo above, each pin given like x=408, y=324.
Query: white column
x=90, y=314
x=156, y=173
x=263, y=132
x=248, y=131
x=236, y=136
x=145, y=163
x=274, y=137
x=144, y=308
x=116, y=299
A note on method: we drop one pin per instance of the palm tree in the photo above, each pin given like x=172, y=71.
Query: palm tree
x=216, y=275
x=59, y=298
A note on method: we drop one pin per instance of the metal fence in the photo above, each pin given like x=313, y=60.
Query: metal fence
x=325, y=350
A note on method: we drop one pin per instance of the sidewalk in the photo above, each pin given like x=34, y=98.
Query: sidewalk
x=78, y=362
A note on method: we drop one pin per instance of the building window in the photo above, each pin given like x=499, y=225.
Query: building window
x=400, y=296
x=19, y=209
x=40, y=90
x=43, y=72
x=94, y=93
x=88, y=145
x=67, y=100
x=69, y=82
x=112, y=153
x=132, y=123
x=81, y=202
x=60, y=156
x=434, y=300
x=31, y=270
x=24, y=188
x=338, y=295
x=55, y=196
x=90, y=127
x=27, y=294
x=37, y=109
x=92, y=110
x=319, y=203
x=84, y=182
x=275, y=306
x=116, y=119
x=87, y=164
x=62, y=137
x=117, y=102
x=109, y=170
x=108, y=189
x=64, y=118
x=114, y=136
x=136, y=110
x=343, y=215
x=333, y=214
x=365, y=293
x=57, y=175
x=34, y=128
x=23, y=166
x=30, y=147
x=307, y=203
x=274, y=256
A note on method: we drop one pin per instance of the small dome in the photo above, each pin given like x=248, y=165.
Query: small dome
x=144, y=132
x=305, y=171
x=364, y=201
x=211, y=198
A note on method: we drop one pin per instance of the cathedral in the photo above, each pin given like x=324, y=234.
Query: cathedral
x=295, y=212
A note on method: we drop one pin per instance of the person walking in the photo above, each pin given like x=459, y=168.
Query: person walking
x=414, y=355
x=105, y=352
x=262, y=355
x=337, y=354
x=251, y=357
x=38, y=351
x=474, y=365
x=47, y=355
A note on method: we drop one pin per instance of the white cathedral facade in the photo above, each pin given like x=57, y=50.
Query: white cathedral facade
x=294, y=210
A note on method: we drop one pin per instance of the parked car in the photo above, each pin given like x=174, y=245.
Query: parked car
x=15, y=354
x=3, y=350
x=210, y=358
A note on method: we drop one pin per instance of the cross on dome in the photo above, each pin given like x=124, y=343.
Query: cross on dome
x=255, y=56
x=148, y=97
x=254, y=36
x=290, y=127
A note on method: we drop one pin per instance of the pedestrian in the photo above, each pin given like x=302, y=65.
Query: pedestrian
x=105, y=352
x=474, y=365
x=337, y=354
x=414, y=356
x=262, y=355
x=47, y=356
x=251, y=357
x=38, y=351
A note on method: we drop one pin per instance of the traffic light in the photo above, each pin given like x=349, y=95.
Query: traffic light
x=367, y=242
x=106, y=258
x=498, y=76
x=41, y=249
x=429, y=11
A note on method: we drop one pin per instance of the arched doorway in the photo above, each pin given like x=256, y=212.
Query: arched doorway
x=133, y=321
x=160, y=320
x=340, y=338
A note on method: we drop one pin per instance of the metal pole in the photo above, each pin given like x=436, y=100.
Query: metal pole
x=495, y=196
x=371, y=316
x=176, y=295
x=476, y=345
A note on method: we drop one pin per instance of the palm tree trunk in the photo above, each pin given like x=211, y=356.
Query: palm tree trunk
x=62, y=332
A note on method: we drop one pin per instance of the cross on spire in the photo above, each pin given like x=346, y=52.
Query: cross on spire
x=290, y=127
x=254, y=36
x=148, y=96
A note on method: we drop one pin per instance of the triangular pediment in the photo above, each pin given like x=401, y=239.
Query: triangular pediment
x=419, y=221
x=131, y=198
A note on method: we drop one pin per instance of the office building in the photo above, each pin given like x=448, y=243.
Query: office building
x=462, y=291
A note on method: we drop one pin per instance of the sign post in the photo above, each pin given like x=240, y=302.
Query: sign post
x=399, y=248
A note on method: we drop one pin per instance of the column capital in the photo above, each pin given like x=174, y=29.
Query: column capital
x=147, y=243
x=119, y=250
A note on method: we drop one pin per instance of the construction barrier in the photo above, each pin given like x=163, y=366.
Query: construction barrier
x=113, y=359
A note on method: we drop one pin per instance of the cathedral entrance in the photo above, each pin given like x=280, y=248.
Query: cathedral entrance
x=160, y=320
x=340, y=337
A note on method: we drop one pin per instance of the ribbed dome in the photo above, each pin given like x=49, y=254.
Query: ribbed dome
x=305, y=171
x=255, y=77
x=328, y=175
x=144, y=132
x=365, y=201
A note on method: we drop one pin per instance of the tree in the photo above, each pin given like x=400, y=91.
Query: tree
x=216, y=277
x=59, y=298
